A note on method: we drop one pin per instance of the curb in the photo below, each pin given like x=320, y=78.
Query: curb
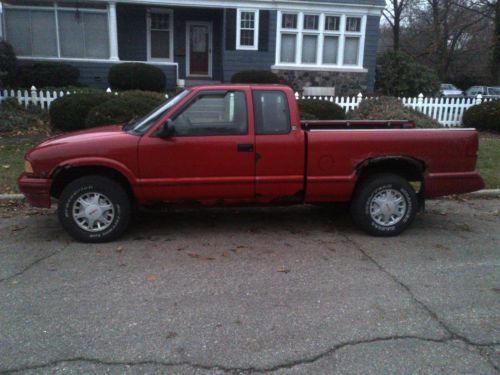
x=11, y=197
x=489, y=193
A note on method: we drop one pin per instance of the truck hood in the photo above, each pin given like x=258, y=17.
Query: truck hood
x=82, y=136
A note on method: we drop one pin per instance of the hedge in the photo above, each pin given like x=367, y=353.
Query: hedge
x=44, y=74
x=69, y=112
x=484, y=116
x=389, y=108
x=136, y=76
x=255, y=76
x=311, y=109
x=124, y=107
x=8, y=63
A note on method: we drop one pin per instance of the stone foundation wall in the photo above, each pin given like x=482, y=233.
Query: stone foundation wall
x=346, y=84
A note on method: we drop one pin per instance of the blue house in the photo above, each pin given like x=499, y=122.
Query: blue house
x=319, y=43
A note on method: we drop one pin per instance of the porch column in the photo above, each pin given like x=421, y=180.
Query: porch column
x=113, y=32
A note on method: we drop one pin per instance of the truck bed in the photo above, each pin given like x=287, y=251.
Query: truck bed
x=356, y=124
x=335, y=154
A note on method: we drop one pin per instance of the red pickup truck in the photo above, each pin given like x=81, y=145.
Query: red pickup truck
x=246, y=144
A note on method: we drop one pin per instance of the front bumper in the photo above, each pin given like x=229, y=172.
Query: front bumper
x=36, y=190
x=440, y=184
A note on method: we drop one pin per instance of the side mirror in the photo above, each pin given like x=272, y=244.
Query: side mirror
x=166, y=130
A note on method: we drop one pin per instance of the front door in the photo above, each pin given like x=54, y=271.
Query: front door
x=210, y=157
x=199, y=47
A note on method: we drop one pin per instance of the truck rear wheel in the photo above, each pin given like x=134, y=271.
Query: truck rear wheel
x=384, y=205
x=94, y=209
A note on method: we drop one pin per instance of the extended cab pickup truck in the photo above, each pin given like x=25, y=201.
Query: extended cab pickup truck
x=246, y=144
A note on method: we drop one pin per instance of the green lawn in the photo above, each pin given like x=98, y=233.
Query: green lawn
x=488, y=163
x=12, y=165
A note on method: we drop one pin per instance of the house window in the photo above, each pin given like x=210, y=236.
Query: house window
x=81, y=36
x=320, y=40
x=247, y=31
x=58, y=31
x=160, y=35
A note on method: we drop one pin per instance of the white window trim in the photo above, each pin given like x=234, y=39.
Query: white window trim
x=171, y=34
x=255, y=45
x=53, y=7
x=341, y=34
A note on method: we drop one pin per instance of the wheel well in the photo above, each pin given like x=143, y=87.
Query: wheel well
x=65, y=175
x=408, y=168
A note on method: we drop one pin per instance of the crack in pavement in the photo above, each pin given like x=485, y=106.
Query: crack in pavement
x=34, y=263
x=452, y=334
x=230, y=370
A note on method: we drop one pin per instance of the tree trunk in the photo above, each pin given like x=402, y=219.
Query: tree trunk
x=495, y=61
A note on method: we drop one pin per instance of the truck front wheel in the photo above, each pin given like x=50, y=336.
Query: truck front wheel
x=94, y=209
x=384, y=205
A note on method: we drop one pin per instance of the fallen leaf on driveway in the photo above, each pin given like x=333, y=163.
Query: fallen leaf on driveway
x=225, y=254
x=152, y=278
x=17, y=227
x=283, y=269
x=119, y=249
x=198, y=256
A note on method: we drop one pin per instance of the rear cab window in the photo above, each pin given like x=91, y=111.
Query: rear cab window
x=271, y=112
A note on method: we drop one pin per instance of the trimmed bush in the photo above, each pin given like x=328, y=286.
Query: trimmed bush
x=136, y=76
x=8, y=63
x=69, y=112
x=123, y=108
x=485, y=116
x=311, y=109
x=255, y=76
x=389, y=108
x=398, y=74
x=44, y=74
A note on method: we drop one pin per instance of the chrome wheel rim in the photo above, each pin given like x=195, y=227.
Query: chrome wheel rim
x=93, y=212
x=388, y=207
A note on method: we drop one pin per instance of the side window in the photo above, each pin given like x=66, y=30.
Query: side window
x=223, y=113
x=272, y=115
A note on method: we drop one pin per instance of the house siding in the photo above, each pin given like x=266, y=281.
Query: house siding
x=235, y=61
x=370, y=53
x=131, y=24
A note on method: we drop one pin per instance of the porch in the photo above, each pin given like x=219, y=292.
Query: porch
x=185, y=43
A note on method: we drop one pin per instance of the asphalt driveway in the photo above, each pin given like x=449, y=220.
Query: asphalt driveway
x=271, y=290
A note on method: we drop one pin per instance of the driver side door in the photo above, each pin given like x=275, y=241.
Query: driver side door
x=209, y=158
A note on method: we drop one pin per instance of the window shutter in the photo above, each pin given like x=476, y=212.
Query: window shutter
x=230, y=29
x=264, y=30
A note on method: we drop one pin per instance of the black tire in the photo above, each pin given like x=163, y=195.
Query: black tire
x=367, y=192
x=86, y=186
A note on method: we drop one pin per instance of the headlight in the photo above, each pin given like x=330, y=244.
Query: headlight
x=28, y=168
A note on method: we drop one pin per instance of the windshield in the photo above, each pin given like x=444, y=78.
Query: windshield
x=493, y=90
x=142, y=125
x=448, y=86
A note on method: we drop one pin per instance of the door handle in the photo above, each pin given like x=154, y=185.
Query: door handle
x=245, y=147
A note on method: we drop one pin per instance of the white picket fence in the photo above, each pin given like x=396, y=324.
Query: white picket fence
x=38, y=97
x=447, y=111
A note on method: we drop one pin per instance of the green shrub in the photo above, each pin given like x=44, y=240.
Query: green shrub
x=123, y=108
x=69, y=112
x=398, y=74
x=389, y=108
x=16, y=119
x=42, y=74
x=136, y=76
x=485, y=116
x=8, y=63
x=255, y=76
x=311, y=109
